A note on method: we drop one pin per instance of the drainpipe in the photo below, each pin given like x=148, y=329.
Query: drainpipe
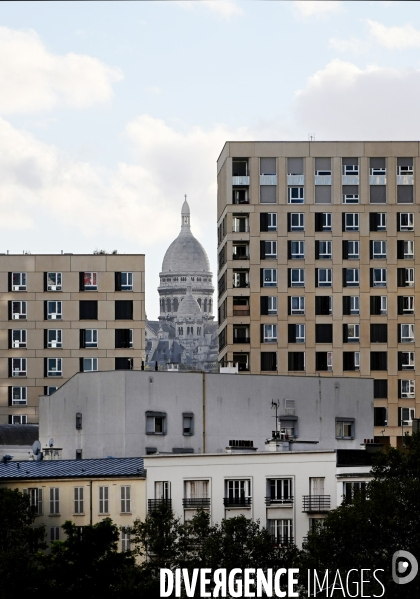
x=91, y=490
x=204, y=412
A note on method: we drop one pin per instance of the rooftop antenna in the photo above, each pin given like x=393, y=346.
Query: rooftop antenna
x=311, y=136
x=275, y=405
x=36, y=447
x=51, y=442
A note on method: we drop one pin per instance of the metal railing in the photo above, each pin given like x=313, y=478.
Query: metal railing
x=241, y=340
x=196, y=502
x=316, y=503
x=279, y=500
x=153, y=504
x=237, y=501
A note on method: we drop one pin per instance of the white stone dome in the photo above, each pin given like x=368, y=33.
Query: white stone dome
x=189, y=307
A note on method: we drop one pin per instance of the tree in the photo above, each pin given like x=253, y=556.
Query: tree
x=366, y=531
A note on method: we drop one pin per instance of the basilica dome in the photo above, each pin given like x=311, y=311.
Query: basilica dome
x=189, y=306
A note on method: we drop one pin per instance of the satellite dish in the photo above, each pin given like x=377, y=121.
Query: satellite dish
x=36, y=447
x=51, y=442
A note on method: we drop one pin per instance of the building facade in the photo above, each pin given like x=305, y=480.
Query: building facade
x=319, y=265
x=127, y=414
x=62, y=314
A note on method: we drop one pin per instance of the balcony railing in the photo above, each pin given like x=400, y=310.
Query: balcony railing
x=295, y=179
x=283, y=540
x=240, y=180
x=196, y=502
x=405, y=179
x=240, y=257
x=153, y=504
x=240, y=201
x=316, y=503
x=268, y=179
x=237, y=501
x=241, y=310
x=377, y=179
x=279, y=501
x=237, y=229
x=240, y=284
x=241, y=340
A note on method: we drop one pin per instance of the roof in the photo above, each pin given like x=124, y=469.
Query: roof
x=18, y=434
x=189, y=307
x=122, y=467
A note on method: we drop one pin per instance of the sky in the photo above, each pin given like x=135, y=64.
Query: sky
x=111, y=111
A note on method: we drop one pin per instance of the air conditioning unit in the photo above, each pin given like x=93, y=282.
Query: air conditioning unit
x=16, y=316
x=16, y=343
x=52, y=344
x=54, y=288
x=53, y=316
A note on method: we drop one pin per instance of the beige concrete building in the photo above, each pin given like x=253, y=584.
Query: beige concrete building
x=63, y=314
x=319, y=267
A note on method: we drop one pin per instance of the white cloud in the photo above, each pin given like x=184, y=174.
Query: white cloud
x=343, y=101
x=310, y=8
x=223, y=8
x=353, y=45
x=33, y=79
x=398, y=38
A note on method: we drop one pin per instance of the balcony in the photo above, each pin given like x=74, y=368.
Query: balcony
x=240, y=310
x=377, y=179
x=323, y=179
x=405, y=179
x=240, y=284
x=268, y=179
x=154, y=504
x=241, y=340
x=295, y=179
x=279, y=501
x=237, y=502
x=316, y=504
x=350, y=180
x=240, y=180
x=282, y=540
x=196, y=503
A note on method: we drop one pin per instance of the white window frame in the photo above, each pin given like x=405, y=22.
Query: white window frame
x=51, y=390
x=162, y=489
x=329, y=360
x=351, y=198
x=300, y=218
x=18, y=281
x=103, y=500
x=355, y=282
x=238, y=488
x=410, y=412
x=374, y=172
x=128, y=284
x=379, y=277
x=272, y=304
x=300, y=279
x=379, y=250
x=280, y=490
x=409, y=217
x=324, y=277
x=300, y=333
x=408, y=336
x=54, y=310
x=296, y=195
x=93, y=334
x=54, y=533
x=354, y=254
x=281, y=529
x=327, y=253
x=19, y=419
x=300, y=300
x=54, y=281
x=299, y=253
x=54, y=371
x=19, y=338
x=22, y=313
x=409, y=277
x=269, y=333
x=355, y=336
x=236, y=225
x=410, y=388
x=270, y=249
x=269, y=277
x=90, y=364
x=405, y=170
x=35, y=499
x=272, y=221
x=408, y=250
x=410, y=302
x=350, y=169
x=125, y=539
x=156, y=424
x=354, y=304
x=22, y=396
x=93, y=278
x=410, y=360
x=381, y=226
x=19, y=367
x=326, y=221
x=54, y=501
x=125, y=499
x=79, y=503
x=54, y=338
x=344, y=429
x=351, y=221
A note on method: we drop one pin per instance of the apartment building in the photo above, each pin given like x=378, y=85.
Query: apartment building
x=63, y=314
x=318, y=265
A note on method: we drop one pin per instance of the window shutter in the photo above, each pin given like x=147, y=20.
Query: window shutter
x=9, y=281
x=373, y=223
x=289, y=277
x=318, y=221
x=10, y=338
x=400, y=300
x=289, y=222
x=317, y=250
x=45, y=310
x=323, y=333
x=344, y=277
x=398, y=221
x=316, y=277
x=45, y=281
x=264, y=304
x=345, y=333
x=343, y=222
x=10, y=367
x=117, y=281
x=289, y=250
x=346, y=304
x=291, y=330
x=9, y=391
x=345, y=250
x=9, y=308
x=263, y=221
x=81, y=364
x=318, y=305
x=45, y=338
x=399, y=360
x=371, y=276
x=399, y=333
x=399, y=395
x=81, y=281
x=289, y=305
x=261, y=277
x=400, y=277
x=261, y=333
x=400, y=249
x=118, y=340
x=45, y=367
x=371, y=250
x=82, y=338
x=262, y=250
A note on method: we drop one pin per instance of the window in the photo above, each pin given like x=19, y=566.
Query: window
x=344, y=429
x=296, y=277
x=351, y=333
x=379, y=333
x=350, y=198
x=35, y=500
x=88, y=310
x=323, y=221
x=296, y=195
x=53, y=367
x=79, y=454
x=268, y=361
x=54, y=533
x=124, y=310
x=125, y=500
x=279, y=490
x=88, y=281
x=17, y=310
x=377, y=221
x=49, y=390
x=155, y=423
x=322, y=194
x=269, y=333
x=17, y=281
x=240, y=334
x=406, y=304
x=323, y=360
x=378, y=277
x=104, y=500
x=378, y=250
x=240, y=195
x=187, y=424
x=125, y=540
x=54, y=501
x=405, y=221
x=268, y=249
x=241, y=251
x=351, y=489
x=323, y=277
x=351, y=250
x=296, y=333
x=281, y=530
x=271, y=304
x=54, y=310
x=323, y=250
x=123, y=338
x=351, y=277
x=377, y=194
x=268, y=221
x=242, y=360
x=17, y=367
x=351, y=360
x=54, y=338
x=405, y=194
x=378, y=360
x=268, y=194
x=296, y=304
x=405, y=360
x=17, y=338
x=380, y=388
x=240, y=167
x=350, y=166
x=240, y=224
x=323, y=333
x=79, y=506
x=88, y=338
x=19, y=419
x=351, y=305
x=88, y=364
x=380, y=416
x=123, y=281
x=405, y=277
x=53, y=281
x=406, y=416
x=296, y=221
x=406, y=333
x=405, y=250
x=18, y=396
x=238, y=492
x=378, y=304
x=296, y=250
x=323, y=305
x=406, y=388
x=269, y=277
x=377, y=167
x=351, y=221
x=296, y=361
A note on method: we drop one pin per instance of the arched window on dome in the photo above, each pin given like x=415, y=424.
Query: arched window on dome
x=205, y=305
x=198, y=330
x=180, y=331
x=199, y=301
x=210, y=306
x=176, y=304
x=162, y=305
x=168, y=305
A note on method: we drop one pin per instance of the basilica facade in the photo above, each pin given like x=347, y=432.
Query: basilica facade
x=185, y=333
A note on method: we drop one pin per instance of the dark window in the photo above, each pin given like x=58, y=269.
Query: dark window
x=88, y=310
x=123, y=363
x=375, y=304
x=321, y=360
x=349, y=361
x=123, y=310
x=296, y=361
x=222, y=339
x=405, y=304
x=122, y=338
x=380, y=417
x=378, y=360
x=378, y=194
x=268, y=361
x=323, y=305
x=79, y=454
x=379, y=333
x=380, y=388
x=323, y=333
x=405, y=194
x=263, y=221
x=79, y=421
